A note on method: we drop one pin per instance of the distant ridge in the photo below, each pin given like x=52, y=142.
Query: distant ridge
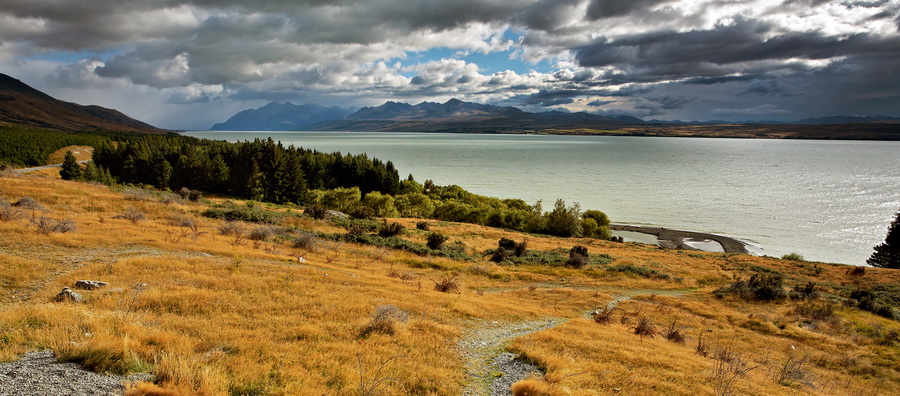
x=21, y=104
x=277, y=116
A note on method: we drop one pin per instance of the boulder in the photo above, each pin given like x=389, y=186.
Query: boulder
x=67, y=295
x=89, y=284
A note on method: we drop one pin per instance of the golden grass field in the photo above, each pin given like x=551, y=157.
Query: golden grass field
x=214, y=314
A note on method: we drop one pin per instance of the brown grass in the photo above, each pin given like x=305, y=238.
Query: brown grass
x=219, y=317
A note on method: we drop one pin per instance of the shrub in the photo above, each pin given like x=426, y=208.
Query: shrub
x=644, y=327
x=383, y=321
x=499, y=255
x=137, y=194
x=46, y=225
x=183, y=221
x=506, y=244
x=804, y=292
x=793, y=257
x=436, y=240
x=232, y=228
x=362, y=212
x=563, y=221
x=255, y=214
x=7, y=213
x=882, y=300
x=816, y=312
x=131, y=214
x=857, y=271
x=763, y=287
x=603, y=315
x=447, y=284
x=306, y=241
x=520, y=248
x=263, y=233
x=643, y=272
x=422, y=225
x=317, y=212
x=673, y=333
x=390, y=229
x=29, y=203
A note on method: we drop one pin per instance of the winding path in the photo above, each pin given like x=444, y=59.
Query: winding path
x=491, y=369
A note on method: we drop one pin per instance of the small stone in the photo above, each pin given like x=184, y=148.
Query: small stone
x=67, y=295
x=89, y=284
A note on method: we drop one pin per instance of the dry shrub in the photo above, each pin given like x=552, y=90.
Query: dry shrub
x=791, y=371
x=7, y=213
x=435, y=240
x=232, y=228
x=29, y=203
x=306, y=241
x=728, y=367
x=183, y=221
x=447, y=284
x=422, y=225
x=404, y=276
x=702, y=348
x=857, y=271
x=46, y=225
x=263, y=233
x=604, y=315
x=384, y=321
x=137, y=194
x=170, y=198
x=644, y=327
x=673, y=333
x=131, y=214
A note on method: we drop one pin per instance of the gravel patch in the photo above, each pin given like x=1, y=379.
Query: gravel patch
x=490, y=369
x=39, y=374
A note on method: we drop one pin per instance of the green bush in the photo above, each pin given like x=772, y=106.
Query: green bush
x=436, y=240
x=762, y=287
x=643, y=272
x=232, y=212
x=793, y=257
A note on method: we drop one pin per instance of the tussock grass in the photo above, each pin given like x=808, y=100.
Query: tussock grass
x=217, y=315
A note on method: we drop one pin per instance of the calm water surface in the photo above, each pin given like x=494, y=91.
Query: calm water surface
x=827, y=200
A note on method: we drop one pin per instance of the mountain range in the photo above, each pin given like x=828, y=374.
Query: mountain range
x=21, y=104
x=459, y=116
x=277, y=116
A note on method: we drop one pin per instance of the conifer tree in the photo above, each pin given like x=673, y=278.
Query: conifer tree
x=887, y=254
x=70, y=168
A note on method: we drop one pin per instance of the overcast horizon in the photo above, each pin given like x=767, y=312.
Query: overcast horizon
x=189, y=64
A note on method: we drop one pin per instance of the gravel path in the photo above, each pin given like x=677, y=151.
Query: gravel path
x=39, y=374
x=490, y=369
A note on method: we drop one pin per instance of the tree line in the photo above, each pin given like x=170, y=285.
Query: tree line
x=261, y=170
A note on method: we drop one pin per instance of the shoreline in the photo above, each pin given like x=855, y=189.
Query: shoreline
x=674, y=239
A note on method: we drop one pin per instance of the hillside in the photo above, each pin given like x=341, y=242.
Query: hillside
x=23, y=105
x=210, y=307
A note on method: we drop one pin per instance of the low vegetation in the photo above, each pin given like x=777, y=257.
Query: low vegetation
x=216, y=297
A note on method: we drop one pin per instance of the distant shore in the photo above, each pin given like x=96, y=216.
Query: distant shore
x=675, y=239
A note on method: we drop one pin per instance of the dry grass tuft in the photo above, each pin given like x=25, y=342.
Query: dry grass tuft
x=447, y=284
x=603, y=315
x=644, y=327
x=384, y=321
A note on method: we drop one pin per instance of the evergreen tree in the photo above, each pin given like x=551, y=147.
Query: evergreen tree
x=256, y=188
x=70, y=168
x=887, y=254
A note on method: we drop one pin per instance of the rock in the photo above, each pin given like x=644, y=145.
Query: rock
x=67, y=295
x=89, y=284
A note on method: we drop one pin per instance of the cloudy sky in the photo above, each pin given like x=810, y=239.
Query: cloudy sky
x=187, y=64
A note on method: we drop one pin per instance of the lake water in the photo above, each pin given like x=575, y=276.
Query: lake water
x=826, y=200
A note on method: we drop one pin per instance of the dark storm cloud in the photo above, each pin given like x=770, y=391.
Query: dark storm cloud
x=723, y=51
x=769, y=87
x=737, y=56
x=599, y=9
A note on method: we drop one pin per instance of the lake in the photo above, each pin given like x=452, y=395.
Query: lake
x=826, y=200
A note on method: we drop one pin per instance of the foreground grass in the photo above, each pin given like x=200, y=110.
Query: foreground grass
x=208, y=313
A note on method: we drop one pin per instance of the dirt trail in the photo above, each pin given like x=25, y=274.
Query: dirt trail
x=491, y=369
